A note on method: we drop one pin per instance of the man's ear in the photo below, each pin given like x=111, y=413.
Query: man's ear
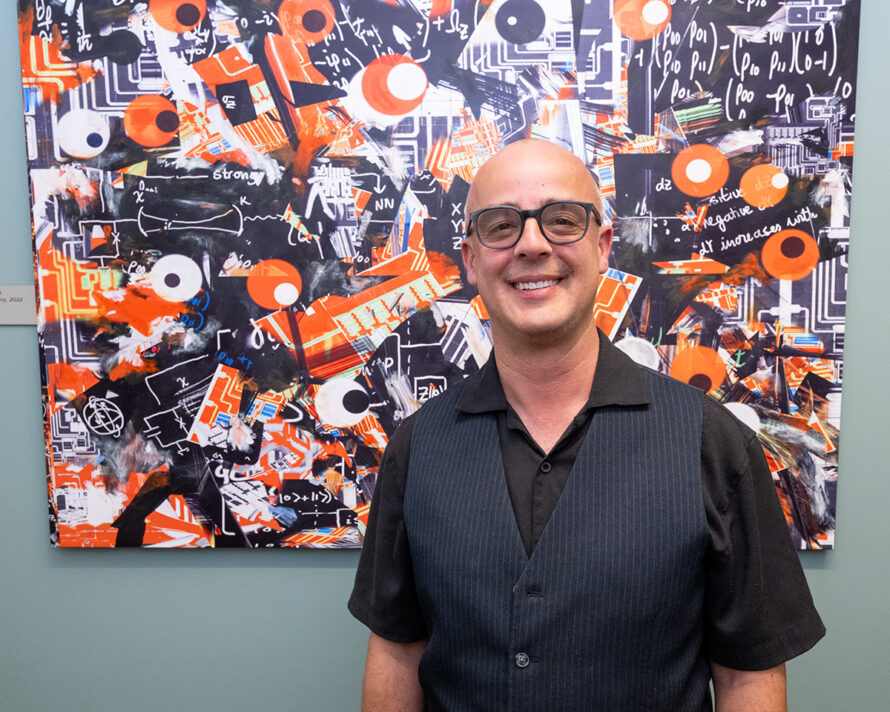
x=468, y=253
x=605, y=246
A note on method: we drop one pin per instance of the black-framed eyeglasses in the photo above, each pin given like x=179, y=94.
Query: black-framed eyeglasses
x=560, y=222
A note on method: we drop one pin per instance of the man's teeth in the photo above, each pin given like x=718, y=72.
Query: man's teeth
x=536, y=285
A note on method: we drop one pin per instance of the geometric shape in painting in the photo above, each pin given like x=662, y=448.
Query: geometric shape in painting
x=176, y=278
x=309, y=21
x=699, y=366
x=641, y=351
x=642, y=19
x=103, y=417
x=178, y=15
x=274, y=284
x=83, y=133
x=341, y=402
x=306, y=94
x=763, y=186
x=520, y=21
x=745, y=413
x=700, y=170
x=236, y=101
x=790, y=254
x=121, y=47
x=151, y=120
x=394, y=84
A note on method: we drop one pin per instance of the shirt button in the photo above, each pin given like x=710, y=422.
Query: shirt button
x=545, y=467
x=521, y=660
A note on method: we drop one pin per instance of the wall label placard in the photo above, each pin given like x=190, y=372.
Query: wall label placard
x=17, y=304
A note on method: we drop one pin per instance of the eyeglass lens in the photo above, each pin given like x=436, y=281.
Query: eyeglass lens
x=561, y=222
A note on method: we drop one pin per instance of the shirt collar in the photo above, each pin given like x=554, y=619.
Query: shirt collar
x=618, y=381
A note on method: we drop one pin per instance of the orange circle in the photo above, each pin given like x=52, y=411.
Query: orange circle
x=376, y=88
x=178, y=15
x=700, y=170
x=307, y=20
x=274, y=284
x=630, y=16
x=151, y=120
x=790, y=254
x=763, y=186
x=699, y=366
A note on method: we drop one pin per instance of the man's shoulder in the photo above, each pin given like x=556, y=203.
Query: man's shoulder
x=723, y=424
x=446, y=399
x=719, y=423
x=661, y=386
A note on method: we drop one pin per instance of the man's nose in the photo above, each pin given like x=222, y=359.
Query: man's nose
x=532, y=242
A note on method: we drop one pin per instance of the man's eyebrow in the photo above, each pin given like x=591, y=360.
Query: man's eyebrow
x=506, y=203
x=513, y=204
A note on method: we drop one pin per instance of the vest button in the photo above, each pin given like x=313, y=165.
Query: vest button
x=521, y=660
x=545, y=467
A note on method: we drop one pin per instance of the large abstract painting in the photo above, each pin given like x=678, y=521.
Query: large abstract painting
x=247, y=220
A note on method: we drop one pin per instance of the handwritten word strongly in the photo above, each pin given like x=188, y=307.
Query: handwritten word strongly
x=249, y=177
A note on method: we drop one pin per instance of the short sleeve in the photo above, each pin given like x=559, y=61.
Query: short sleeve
x=759, y=611
x=384, y=597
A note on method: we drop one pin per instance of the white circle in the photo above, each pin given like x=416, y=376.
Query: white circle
x=406, y=81
x=512, y=20
x=176, y=278
x=82, y=133
x=655, y=12
x=698, y=171
x=640, y=350
x=331, y=399
x=286, y=294
x=779, y=181
x=746, y=414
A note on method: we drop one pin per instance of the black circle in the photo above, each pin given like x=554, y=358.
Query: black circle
x=94, y=140
x=520, y=21
x=793, y=247
x=122, y=47
x=167, y=121
x=172, y=280
x=188, y=15
x=314, y=21
x=700, y=380
x=356, y=401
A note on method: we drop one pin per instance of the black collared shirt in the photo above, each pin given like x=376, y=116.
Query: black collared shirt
x=535, y=479
x=754, y=581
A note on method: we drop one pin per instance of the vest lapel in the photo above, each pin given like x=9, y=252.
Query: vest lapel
x=497, y=488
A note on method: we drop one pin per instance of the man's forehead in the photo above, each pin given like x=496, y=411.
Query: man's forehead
x=530, y=150
x=517, y=162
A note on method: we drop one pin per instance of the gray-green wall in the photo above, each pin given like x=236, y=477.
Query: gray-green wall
x=145, y=631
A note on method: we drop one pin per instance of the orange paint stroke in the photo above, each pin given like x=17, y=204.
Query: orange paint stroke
x=43, y=65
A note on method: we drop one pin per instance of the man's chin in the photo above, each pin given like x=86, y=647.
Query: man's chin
x=542, y=332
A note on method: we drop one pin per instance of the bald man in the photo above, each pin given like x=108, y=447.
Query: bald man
x=566, y=530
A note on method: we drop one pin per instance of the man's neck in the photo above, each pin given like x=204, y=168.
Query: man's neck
x=547, y=383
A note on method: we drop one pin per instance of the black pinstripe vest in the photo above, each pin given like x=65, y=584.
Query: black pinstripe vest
x=607, y=612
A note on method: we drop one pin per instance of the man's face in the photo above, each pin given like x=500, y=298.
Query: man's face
x=536, y=290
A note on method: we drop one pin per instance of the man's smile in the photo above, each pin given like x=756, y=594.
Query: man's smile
x=538, y=284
